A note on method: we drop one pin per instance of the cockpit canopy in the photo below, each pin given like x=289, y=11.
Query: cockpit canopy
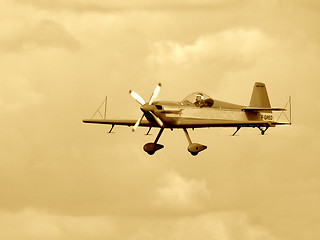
x=198, y=99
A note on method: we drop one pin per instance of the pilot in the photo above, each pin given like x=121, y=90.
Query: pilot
x=199, y=100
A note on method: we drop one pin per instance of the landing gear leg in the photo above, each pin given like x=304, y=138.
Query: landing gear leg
x=263, y=130
x=187, y=135
x=193, y=148
x=151, y=148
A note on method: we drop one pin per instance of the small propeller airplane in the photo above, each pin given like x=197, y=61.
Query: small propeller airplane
x=198, y=110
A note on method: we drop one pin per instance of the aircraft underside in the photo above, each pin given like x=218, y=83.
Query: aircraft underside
x=193, y=148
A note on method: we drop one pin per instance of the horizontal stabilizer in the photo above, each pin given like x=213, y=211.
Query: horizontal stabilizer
x=282, y=123
x=256, y=109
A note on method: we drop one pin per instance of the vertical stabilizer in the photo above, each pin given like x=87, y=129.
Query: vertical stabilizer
x=259, y=97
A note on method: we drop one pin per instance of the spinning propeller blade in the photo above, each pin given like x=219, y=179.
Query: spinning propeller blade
x=137, y=123
x=159, y=121
x=140, y=100
x=137, y=97
x=155, y=93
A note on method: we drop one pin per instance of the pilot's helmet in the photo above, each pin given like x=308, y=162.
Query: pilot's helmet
x=199, y=97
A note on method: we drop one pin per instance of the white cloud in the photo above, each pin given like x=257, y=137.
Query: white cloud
x=177, y=193
x=209, y=226
x=222, y=226
x=26, y=35
x=34, y=224
x=230, y=45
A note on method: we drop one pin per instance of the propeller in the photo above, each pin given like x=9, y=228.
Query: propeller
x=137, y=97
x=140, y=100
x=155, y=93
x=158, y=120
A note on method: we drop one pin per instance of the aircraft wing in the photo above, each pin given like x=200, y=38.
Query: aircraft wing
x=187, y=123
x=197, y=123
x=124, y=122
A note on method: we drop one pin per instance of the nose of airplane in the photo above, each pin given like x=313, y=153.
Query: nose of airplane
x=146, y=107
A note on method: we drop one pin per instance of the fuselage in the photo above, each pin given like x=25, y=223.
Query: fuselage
x=182, y=114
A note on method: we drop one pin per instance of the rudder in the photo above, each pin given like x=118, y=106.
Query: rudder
x=259, y=97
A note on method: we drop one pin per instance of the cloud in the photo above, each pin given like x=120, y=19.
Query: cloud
x=35, y=224
x=24, y=36
x=31, y=223
x=178, y=194
x=116, y=6
x=222, y=226
x=238, y=45
x=17, y=92
x=210, y=58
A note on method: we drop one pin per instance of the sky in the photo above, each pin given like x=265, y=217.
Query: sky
x=63, y=179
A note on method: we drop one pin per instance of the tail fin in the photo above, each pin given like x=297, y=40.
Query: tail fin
x=259, y=97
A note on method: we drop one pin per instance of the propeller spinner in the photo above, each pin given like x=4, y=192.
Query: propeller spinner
x=146, y=106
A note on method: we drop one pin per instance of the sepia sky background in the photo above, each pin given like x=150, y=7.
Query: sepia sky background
x=62, y=179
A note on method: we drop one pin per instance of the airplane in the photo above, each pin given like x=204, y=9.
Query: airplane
x=198, y=110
